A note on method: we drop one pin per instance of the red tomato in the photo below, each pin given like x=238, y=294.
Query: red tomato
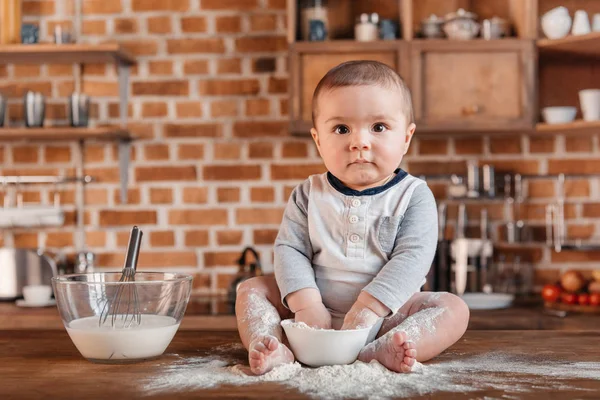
x=569, y=298
x=583, y=299
x=595, y=299
x=551, y=293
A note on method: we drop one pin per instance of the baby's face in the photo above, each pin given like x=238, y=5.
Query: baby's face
x=361, y=133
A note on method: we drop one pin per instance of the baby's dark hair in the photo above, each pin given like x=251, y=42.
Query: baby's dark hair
x=363, y=72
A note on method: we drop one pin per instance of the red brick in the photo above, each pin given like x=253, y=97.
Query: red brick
x=229, y=4
x=541, y=144
x=100, y=89
x=151, y=259
x=133, y=196
x=94, y=153
x=224, y=108
x=285, y=172
x=25, y=154
x=191, y=130
x=102, y=7
x=114, y=110
x=154, y=109
x=94, y=27
x=257, y=216
x=278, y=85
x=226, y=151
x=224, y=281
x=585, y=231
x=579, y=144
x=26, y=71
x=190, y=151
x=56, y=154
x=33, y=197
x=187, y=46
x=264, y=64
x=195, y=195
x=516, y=166
x=129, y=217
x=162, y=239
x=104, y=175
x=96, y=196
x=228, y=195
x=228, y=24
x=18, y=89
x=161, y=88
x=574, y=256
x=277, y=4
x=229, y=66
x=218, y=259
x=249, y=129
x=574, y=166
x=433, y=146
x=262, y=195
x=139, y=47
x=263, y=22
x=591, y=210
x=193, y=24
x=540, y=188
x=160, y=67
x=155, y=152
x=509, y=145
x=160, y=5
x=468, y=146
x=228, y=87
x=59, y=239
x=195, y=67
x=126, y=25
x=260, y=150
x=189, y=109
x=165, y=173
x=37, y=8
x=26, y=240
x=294, y=150
x=159, y=25
x=262, y=44
x=229, y=237
x=577, y=188
x=265, y=236
x=258, y=107
x=198, y=217
x=161, y=196
x=60, y=70
x=231, y=172
x=95, y=239
x=95, y=69
x=196, y=238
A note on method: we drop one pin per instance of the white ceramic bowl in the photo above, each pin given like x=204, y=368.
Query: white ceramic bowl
x=559, y=115
x=556, y=24
x=484, y=301
x=319, y=347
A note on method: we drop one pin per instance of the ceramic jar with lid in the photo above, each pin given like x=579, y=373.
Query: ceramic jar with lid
x=461, y=25
x=431, y=27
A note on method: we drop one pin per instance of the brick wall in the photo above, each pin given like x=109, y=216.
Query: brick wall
x=214, y=163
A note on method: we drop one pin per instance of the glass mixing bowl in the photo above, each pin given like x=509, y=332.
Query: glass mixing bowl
x=115, y=322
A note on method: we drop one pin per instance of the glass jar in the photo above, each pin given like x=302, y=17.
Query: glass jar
x=316, y=11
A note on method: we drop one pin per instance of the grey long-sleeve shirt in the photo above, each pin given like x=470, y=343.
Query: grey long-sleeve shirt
x=341, y=241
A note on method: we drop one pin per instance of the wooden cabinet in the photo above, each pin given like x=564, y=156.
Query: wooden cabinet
x=474, y=85
x=309, y=62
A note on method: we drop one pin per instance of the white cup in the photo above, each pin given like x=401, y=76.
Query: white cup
x=596, y=22
x=589, y=100
x=37, y=294
x=581, y=23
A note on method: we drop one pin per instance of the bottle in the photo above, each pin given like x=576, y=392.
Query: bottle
x=312, y=10
x=365, y=29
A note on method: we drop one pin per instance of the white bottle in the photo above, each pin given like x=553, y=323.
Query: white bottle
x=365, y=30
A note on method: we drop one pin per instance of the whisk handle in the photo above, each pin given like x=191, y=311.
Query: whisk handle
x=133, y=248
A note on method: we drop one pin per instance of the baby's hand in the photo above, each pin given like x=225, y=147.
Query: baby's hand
x=314, y=315
x=365, y=312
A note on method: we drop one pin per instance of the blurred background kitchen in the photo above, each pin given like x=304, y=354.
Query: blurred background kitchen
x=190, y=119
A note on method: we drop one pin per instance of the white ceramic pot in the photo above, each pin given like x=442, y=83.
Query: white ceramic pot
x=556, y=23
x=589, y=100
x=559, y=115
x=581, y=23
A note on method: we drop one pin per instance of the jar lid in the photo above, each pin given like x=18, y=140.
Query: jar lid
x=461, y=13
x=433, y=19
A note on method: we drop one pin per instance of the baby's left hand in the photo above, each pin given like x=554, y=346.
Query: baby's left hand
x=363, y=314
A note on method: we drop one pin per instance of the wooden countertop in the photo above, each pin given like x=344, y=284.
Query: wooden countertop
x=206, y=314
x=528, y=364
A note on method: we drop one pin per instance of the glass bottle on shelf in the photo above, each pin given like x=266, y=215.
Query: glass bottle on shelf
x=314, y=23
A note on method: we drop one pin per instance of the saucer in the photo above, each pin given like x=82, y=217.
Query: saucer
x=23, y=303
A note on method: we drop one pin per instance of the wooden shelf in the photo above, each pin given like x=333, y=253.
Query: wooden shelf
x=583, y=45
x=63, y=133
x=578, y=126
x=64, y=53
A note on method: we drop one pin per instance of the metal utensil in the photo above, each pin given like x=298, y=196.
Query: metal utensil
x=79, y=109
x=34, y=104
x=123, y=307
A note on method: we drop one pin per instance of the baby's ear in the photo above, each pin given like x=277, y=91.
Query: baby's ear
x=315, y=136
x=410, y=131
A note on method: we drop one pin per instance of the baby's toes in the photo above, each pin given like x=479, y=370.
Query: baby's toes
x=405, y=367
x=411, y=353
x=255, y=355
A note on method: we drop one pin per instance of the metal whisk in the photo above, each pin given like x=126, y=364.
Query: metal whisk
x=123, y=307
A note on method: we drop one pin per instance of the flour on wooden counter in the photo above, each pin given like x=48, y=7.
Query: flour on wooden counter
x=510, y=373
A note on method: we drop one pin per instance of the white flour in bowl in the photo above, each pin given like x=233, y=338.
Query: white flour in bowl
x=507, y=372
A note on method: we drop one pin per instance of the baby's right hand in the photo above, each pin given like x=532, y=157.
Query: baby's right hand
x=314, y=315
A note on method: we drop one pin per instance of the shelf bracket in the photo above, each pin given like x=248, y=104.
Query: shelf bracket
x=124, y=156
x=124, y=144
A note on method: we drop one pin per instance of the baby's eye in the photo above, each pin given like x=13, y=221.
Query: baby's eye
x=341, y=129
x=379, y=128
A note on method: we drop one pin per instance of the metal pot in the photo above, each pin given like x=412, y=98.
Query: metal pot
x=34, y=104
x=22, y=267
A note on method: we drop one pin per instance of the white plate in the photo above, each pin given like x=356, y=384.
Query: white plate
x=23, y=303
x=484, y=301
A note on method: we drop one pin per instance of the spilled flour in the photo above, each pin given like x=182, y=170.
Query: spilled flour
x=513, y=374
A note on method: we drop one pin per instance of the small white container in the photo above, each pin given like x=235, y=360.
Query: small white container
x=589, y=99
x=37, y=295
x=581, y=23
x=319, y=347
x=559, y=115
x=556, y=23
x=596, y=22
x=365, y=30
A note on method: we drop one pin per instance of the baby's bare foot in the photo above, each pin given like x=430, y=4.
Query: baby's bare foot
x=265, y=353
x=395, y=353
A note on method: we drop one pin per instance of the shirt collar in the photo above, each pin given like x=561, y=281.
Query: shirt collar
x=345, y=190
